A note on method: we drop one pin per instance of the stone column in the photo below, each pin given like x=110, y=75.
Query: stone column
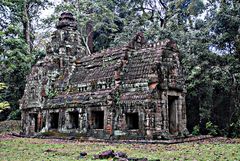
x=48, y=119
x=109, y=126
x=158, y=116
x=39, y=121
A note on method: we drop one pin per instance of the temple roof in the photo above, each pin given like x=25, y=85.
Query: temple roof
x=129, y=73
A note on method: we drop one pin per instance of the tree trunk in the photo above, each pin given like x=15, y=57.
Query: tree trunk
x=27, y=25
x=90, y=35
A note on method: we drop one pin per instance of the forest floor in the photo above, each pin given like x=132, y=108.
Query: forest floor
x=16, y=148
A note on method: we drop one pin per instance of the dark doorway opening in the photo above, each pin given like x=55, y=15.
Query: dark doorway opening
x=172, y=113
x=132, y=120
x=74, y=119
x=98, y=119
x=34, y=118
x=54, y=120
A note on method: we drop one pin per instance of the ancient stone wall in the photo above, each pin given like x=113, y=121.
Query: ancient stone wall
x=133, y=91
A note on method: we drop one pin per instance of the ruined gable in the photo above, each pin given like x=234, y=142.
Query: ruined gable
x=131, y=91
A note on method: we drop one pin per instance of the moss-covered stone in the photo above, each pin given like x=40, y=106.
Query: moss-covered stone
x=137, y=89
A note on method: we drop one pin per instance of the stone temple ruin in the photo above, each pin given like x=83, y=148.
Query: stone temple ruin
x=133, y=91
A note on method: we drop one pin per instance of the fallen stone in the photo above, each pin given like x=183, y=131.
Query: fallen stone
x=119, y=159
x=83, y=154
x=71, y=138
x=143, y=159
x=106, y=154
x=50, y=150
x=132, y=159
x=95, y=156
x=120, y=155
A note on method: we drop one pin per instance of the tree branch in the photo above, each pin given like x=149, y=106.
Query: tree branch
x=164, y=6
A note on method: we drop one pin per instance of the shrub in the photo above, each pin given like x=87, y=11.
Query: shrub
x=211, y=128
x=15, y=115
x=234, y=130
x=196, y=130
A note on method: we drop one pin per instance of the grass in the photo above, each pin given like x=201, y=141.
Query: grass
x=24, y=149
x=46, y=149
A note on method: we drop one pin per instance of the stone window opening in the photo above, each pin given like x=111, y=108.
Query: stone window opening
x=98, y=119
x=65, y=36
x=74, y=119
x=57, y=62
x=32, y=93
x=68, y=50
x=132, y=121
x=43, y=122
x=82, y=89
x=105, y=86
x=94, y=85
x=54, y=120
x=172, y=113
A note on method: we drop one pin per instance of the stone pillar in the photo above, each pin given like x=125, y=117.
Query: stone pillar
x=148, y=125
x=23, y=122
x=83, y=124
x=183, y=114
x=158, y=118
x=39, y=121
x=165, y=119
x=81, y=119
x=62, y=120
x=67, y=123
x=48, y=119
x=141, y=116
x=109, y=126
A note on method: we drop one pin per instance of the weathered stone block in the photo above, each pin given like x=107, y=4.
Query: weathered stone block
x=130, y=92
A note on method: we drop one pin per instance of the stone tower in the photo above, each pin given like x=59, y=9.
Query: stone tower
x=50, y=76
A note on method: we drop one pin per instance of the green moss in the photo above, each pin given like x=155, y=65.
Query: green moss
x=52, y=93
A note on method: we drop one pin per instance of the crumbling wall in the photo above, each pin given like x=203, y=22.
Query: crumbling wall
x=133, y=91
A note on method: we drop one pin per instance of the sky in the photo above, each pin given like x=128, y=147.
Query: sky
x=45, y=13
x=49, y=11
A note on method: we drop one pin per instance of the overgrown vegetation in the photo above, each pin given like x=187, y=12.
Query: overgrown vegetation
x=38, y=149
x=10, y=126
x=207, y=34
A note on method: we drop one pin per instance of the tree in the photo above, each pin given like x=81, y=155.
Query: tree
x=102, y=18
x=27, y=12
x=3, y=104
x=16, y=46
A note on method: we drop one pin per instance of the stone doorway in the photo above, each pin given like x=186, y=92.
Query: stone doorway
x=34, y=121
x=98, y=119
x=172, y=113
x=54, y=120
x=132, y=120
x=74, y=119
